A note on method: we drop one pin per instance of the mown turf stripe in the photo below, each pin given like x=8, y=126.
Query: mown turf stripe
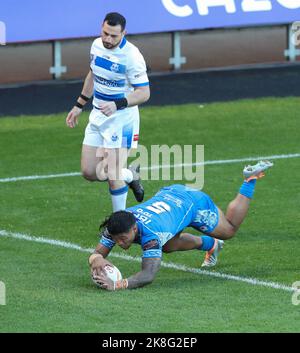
x=155, y=167
x=67, y=245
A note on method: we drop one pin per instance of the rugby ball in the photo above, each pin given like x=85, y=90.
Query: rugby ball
x=112, y=272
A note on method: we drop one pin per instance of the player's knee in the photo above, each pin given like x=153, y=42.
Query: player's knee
x=167, y=249
x=230, y=231
x=87, y=175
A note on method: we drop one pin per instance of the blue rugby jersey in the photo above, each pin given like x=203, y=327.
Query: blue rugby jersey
x=163, y=216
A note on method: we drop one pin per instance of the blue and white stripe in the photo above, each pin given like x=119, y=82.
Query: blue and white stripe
x=108, y=97
x=120, y=191
x=152, y=253
x=108, y=243
x=116, y=72
x=110, y=65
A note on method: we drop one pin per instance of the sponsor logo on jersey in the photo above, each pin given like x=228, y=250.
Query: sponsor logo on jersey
x=136, y=137
x=114, y=137
x=114, y=67
x=108, y=83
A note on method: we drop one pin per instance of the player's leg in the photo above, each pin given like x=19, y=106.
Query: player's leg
x=110, y=164
x=187, y=241
x=237, y=209
x=212, y=221
x=130, y=174
x=89, y=162
x=227, y=227
x=130, y=138
x=102, y=167
x=118, y=188
x=125, y=136
x=182, y=242
x=229, y=224
x=90, y=157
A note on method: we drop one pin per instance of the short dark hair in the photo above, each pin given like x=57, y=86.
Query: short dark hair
x=115, y=19
x=119, y=222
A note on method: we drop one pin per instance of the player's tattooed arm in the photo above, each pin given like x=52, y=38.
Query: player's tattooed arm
x=102, y=250
x=150, y=266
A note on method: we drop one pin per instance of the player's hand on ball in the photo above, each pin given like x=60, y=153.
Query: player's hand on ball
x=72, y=118
x=98, y=264
x=105, y=282
x=95, y=278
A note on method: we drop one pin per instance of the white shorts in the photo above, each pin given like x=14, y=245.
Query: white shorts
x=119, y=130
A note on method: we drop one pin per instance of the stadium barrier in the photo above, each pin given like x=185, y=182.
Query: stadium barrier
x=59, y=20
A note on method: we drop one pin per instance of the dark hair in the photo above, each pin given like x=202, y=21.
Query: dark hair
x=119, y=222
x=114, y=19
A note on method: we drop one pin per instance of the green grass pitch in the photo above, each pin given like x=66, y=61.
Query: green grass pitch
x=48, y=288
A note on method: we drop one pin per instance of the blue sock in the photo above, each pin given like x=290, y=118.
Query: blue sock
x=247, y=188
x=207, y=243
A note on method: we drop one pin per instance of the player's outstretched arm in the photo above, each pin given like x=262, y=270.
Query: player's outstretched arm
x=97, y=259
x=150, y=267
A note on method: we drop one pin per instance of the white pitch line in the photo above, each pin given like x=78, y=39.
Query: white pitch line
x=170, y=265
x=224, y=161
x=155, y=167
x=36, y=177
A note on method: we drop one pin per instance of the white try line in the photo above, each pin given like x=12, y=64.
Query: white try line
x=155, y=167
x=67, y=245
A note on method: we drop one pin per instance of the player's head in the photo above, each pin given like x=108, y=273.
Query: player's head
x=113, y=30
x=122, y=228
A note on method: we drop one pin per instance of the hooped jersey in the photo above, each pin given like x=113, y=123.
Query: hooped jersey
x=116, y=71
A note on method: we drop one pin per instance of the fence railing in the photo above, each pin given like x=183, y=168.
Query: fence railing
x=57, y=20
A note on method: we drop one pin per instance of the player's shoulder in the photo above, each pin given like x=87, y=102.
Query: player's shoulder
x=97, y=43
x=131, y=49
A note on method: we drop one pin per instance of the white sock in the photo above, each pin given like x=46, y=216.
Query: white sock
x=118, y=198
x=127, y=175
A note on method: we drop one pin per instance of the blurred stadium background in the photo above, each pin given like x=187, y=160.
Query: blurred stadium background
x=226, y=76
